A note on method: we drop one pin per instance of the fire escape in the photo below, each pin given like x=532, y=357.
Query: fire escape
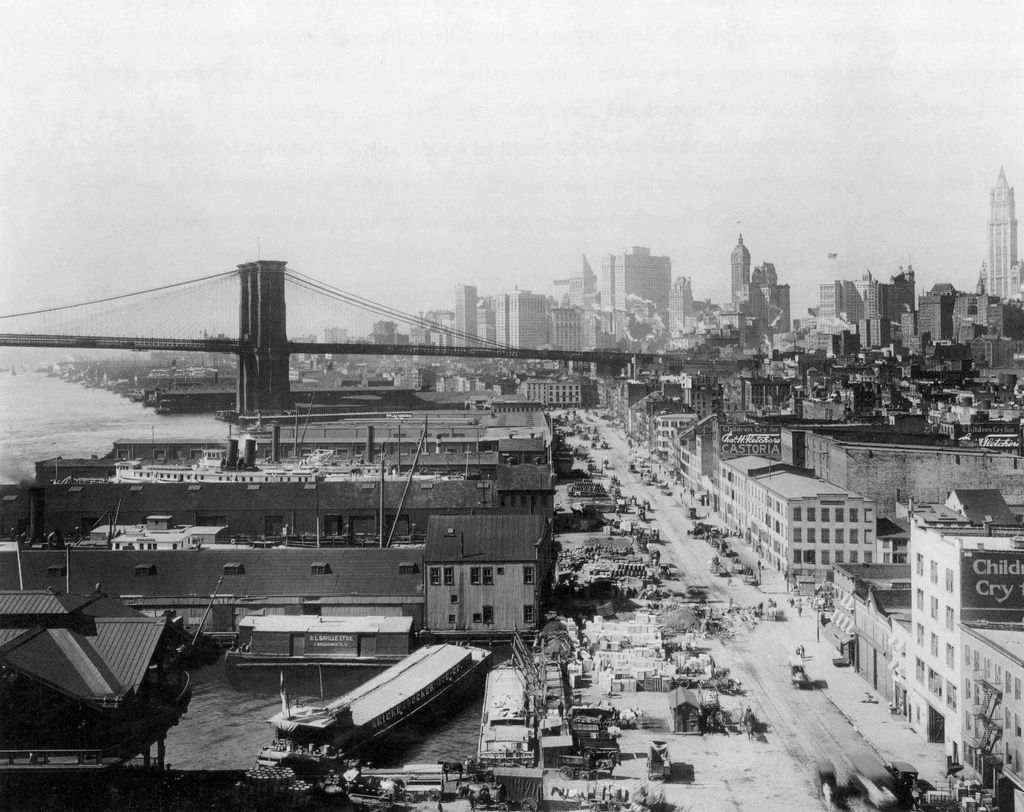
x=986, y=717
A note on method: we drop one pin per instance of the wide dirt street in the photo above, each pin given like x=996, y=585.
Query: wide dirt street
x=775, y=770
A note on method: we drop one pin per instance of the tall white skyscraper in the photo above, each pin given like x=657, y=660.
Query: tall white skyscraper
x=521, y=319
x=635, y=273
x=1003, y=278
x=465, y=315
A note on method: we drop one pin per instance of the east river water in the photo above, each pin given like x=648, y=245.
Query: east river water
x=43, y=417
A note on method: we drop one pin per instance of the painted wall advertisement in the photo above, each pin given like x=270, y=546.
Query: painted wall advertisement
x=992, y=585
x=994, y=436
x=330, y=642
x=757, y=441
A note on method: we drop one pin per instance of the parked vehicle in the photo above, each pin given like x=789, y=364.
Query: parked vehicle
x=904, y=776
x=659, y=764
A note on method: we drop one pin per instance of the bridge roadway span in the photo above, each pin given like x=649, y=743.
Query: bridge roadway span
x=231, y=345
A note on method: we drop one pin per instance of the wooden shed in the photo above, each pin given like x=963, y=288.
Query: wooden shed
x=684, y=708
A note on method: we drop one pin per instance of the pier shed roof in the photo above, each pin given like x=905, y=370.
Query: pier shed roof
x=499, y=537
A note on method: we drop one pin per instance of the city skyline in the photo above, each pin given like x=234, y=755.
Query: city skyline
x=399, y=154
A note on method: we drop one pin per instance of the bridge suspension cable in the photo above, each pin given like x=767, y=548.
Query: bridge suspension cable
x=370, y=306
x=204, y=306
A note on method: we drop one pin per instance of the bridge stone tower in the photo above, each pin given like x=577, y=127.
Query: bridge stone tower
x=262, y=333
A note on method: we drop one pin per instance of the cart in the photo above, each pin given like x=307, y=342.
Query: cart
x=659, y=764
x=585, y=768
x=798, y=674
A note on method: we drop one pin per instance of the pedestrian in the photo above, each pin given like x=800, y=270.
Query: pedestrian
x=800, y=610
x=440, y=808
x=472, y=803
x=759, y=566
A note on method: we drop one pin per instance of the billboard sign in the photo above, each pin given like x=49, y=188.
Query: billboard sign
x=757, y=441
x=994, y=436
x=992, y=585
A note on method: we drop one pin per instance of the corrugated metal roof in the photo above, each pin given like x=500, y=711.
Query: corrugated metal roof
x=277, y=571
x=499, y=537
x=401, y=681
x=127, y=645
x=39, y=602
x=65, y=660
x=526, y=478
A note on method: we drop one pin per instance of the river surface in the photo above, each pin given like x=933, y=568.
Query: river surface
x=43, y=417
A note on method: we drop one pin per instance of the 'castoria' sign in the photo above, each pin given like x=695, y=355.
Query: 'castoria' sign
x=757, y=441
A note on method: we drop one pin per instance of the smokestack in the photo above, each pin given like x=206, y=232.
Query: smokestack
x=37, y=512
x=275, y=443
x=249, y=451
x=232, y=461
x=369, y=444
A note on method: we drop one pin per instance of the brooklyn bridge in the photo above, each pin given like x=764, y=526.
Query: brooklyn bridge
x=177, y=317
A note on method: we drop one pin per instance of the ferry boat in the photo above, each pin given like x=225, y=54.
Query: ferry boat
x=508, y=736
x=317, y=739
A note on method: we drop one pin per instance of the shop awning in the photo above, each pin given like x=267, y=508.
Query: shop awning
x=835, y=635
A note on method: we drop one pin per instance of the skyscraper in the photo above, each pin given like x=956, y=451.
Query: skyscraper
x=635, y=273
x=465, y=315
x=1003, y=277
x=521, y=319
x=740, y=271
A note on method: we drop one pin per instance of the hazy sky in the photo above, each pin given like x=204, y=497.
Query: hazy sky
x=397, y=149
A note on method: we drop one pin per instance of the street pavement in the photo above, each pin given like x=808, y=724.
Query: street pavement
x=835, y=720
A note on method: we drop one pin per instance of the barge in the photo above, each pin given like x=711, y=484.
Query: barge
x=508, y=736
x=303, y=640
x=432, y=680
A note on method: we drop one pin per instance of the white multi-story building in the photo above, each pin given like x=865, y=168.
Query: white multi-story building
x=1002, y=273
x=961, y=574
x=636, y=273
x=465, y=315
x=800, y=524
x=521, y=319
x=666, y=427
x=559, y=394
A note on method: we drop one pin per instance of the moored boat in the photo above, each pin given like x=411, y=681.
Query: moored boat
x=508, y=736
x=430, y=680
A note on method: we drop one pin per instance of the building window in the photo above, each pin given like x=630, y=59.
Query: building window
x=854, y=535
x=451, y=618
x=825, y=514
x=811, y=514
x=435, y=576
x=840, y=536
x=920, y=564
x=449, y=576
x=950, y=656
x=528, y=610
x=951, y=695
x=934, y=602
x=488, y=614
x=853, y=515
x=869, y=556
x=488, y=576
x=935, y=644
x=825, y=536
x=934, y=571
x=798, y=514
x=920, y=635
x=825, y=556
x=840, y=558
x=320, y=568
x=920, y=600
x=809, y=556
x=811, y=535
x=919, y=670
x=854, y=554
x=949, y=579
x=839, y=515
x=950, y=618
x=798, y=535
x=474, y=575
x=529, y=574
